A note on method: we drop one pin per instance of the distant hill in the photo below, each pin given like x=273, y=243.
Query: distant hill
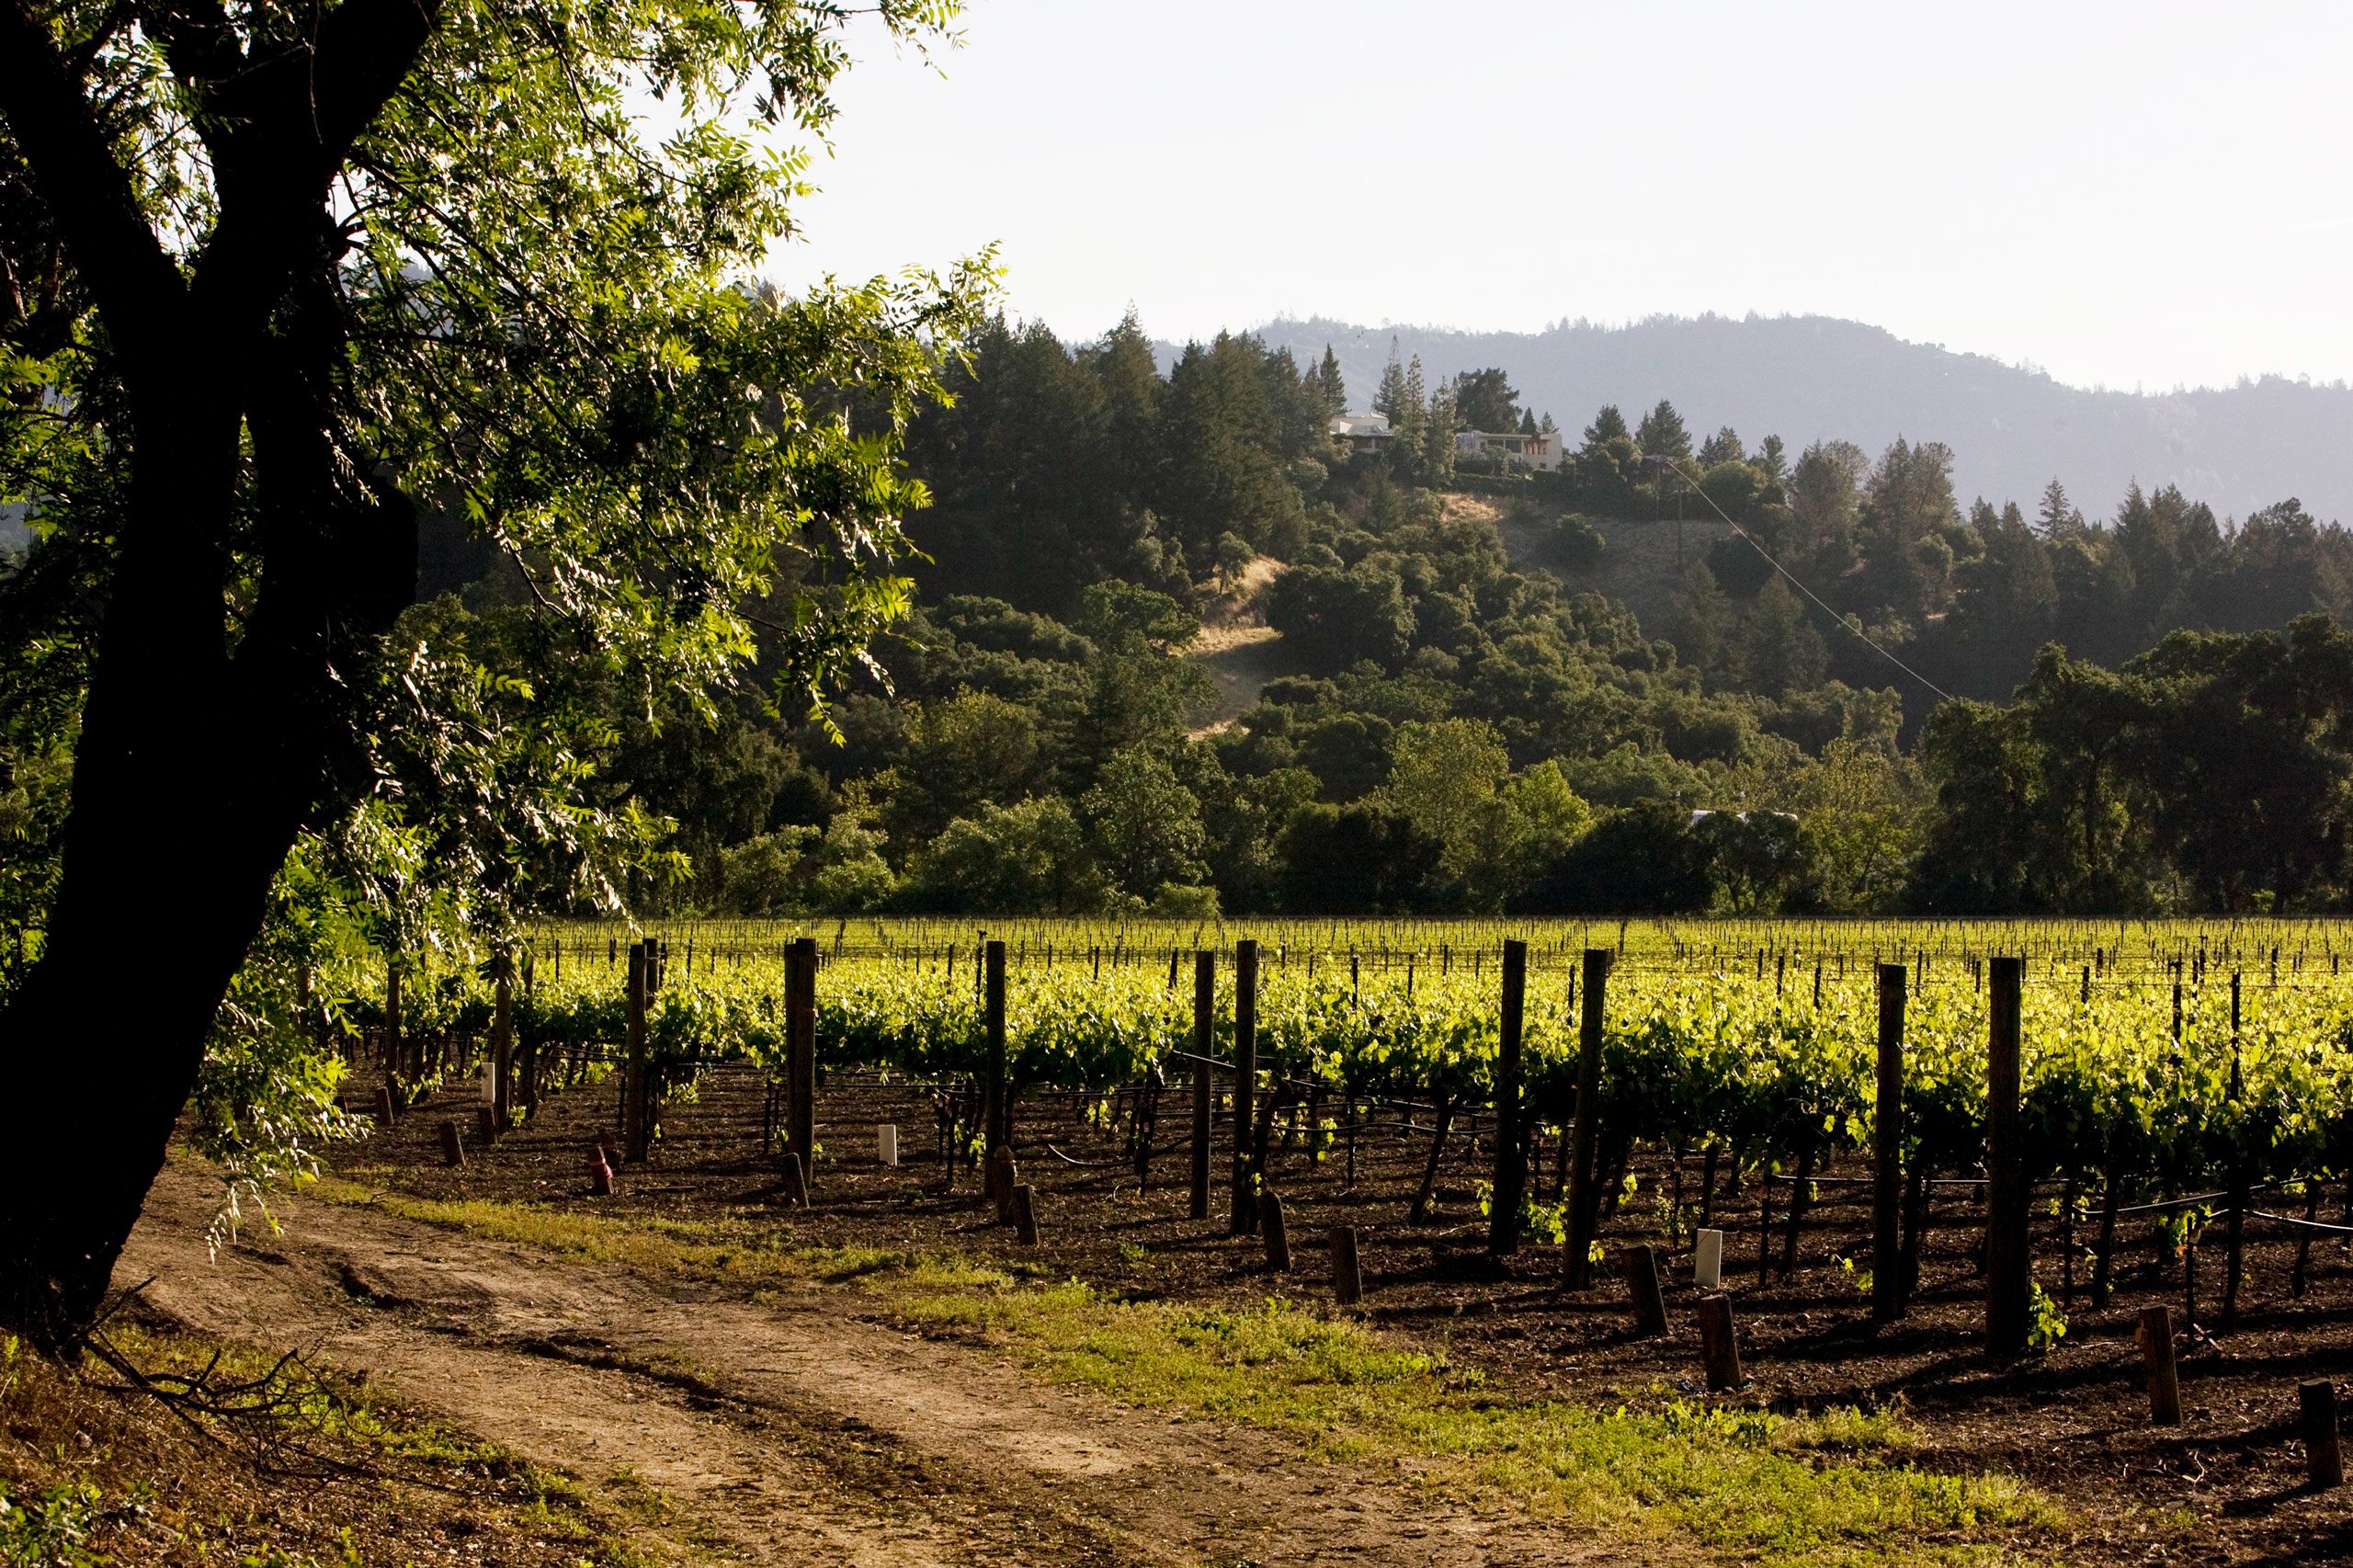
x=1807, y=378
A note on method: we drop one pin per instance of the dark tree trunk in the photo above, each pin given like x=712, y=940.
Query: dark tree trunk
x=197, y=766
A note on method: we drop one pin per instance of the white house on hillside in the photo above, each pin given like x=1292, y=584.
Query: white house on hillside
x=1362, y=432
x=1539, y=450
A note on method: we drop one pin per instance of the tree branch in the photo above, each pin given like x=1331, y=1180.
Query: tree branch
x=88, y=194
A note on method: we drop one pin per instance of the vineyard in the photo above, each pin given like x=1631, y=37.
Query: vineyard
x=2117, y=1155
x=2170, y=1074
x=2160, y=1064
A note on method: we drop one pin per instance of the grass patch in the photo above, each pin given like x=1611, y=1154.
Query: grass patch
x=1825, y=1489
x=746, y=1250
x=1778, y=1490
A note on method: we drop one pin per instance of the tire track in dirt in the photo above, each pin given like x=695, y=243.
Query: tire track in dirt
x=787, y=1425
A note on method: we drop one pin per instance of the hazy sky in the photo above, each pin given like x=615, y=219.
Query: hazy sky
x=2151, y=194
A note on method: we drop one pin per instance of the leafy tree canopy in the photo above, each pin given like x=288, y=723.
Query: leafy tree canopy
x=291, y=288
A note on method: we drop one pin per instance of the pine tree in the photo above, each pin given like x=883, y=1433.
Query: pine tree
x=1438, y=434
x=1131, y=380
x=1723, y=447
x=1773, y=459
x=1390, y=400
x=2057, y=516
x=1662, y=435
x=1412, y=408
x=1700, y=615
x=1607, y=425
x=1779, y=650
x=1527, y=423
x=1331, y=384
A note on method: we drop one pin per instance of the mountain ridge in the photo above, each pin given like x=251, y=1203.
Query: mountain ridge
x=2012, y=428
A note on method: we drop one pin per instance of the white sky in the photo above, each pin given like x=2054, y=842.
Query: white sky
x=2151, y=194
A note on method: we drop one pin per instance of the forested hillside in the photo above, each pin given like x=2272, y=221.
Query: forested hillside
x=1444, y=732
x=1817, y=378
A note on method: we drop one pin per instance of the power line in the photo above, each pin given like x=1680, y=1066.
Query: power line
x=1843, y=623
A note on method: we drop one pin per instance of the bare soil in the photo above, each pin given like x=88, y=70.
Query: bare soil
x=1642, y=566
x=2072, y=1420
x=1237, y=649
x=767, y=1429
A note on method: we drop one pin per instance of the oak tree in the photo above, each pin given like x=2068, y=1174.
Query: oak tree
x=280, y=285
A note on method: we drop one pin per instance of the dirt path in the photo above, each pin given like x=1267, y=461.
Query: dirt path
x=759, y=1430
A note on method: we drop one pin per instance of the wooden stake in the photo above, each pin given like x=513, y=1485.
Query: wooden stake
x=634, y=1132
x=1275, y=1231
x=801, y=1057
x=1244, y=1216
x=1000, y=1108
x=392, y=1016
x=1024, y=1215
x=453, y=1146
x=1887, y=1148
x=1719, y=1346
x=2316, y=1420
x=796, y=1185
x=1585, y=1199
x=1511, y=1153
x=502, y=1043
x=1003, y=1176
x=2008, y=1267
x=1204, y=1075
x=1348, y=1279
x=1638, y=1266
x=2156, y=1339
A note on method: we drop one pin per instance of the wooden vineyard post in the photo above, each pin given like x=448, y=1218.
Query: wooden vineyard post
x=1639, y=1264
x=1276, y=1230
x=1024, y=1214
x=1204, y=1075
x=2006, y=1266
x=2155, y=1337
x=801, y=1057
x=634, y=1132
x=796, y=1186
x=453, y=1146
x=502, y=1045
x=2317, y=1424
x=386, y=1107
x=1244, y=1220
x=2235, y=1256
x=1887, y=1148
x=1347, y=1279
x=395, y=1062
x=1000, y=1108
x=1718, y=1345
x=1511, y=1148
x=1585, y=1199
